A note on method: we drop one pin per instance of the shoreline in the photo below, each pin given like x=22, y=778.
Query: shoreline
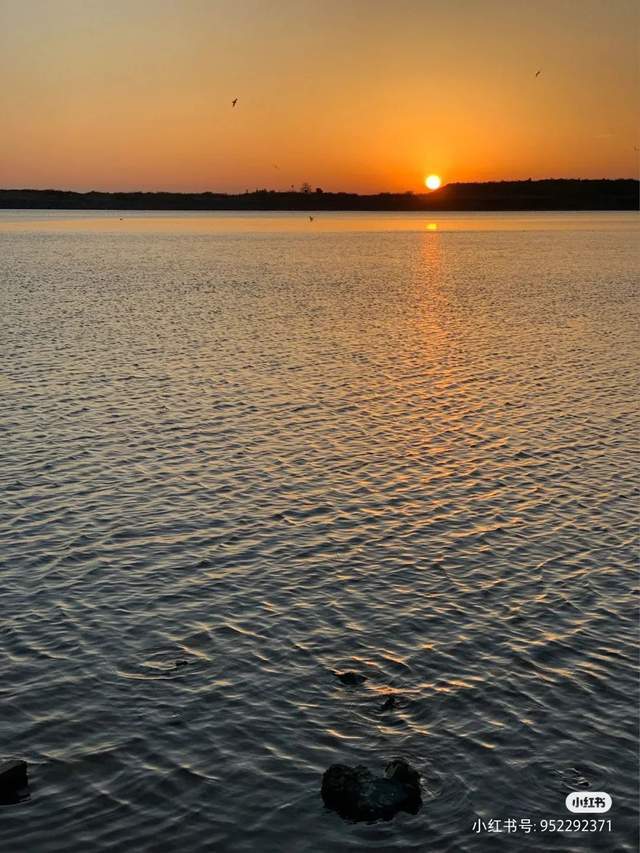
x=545, y=195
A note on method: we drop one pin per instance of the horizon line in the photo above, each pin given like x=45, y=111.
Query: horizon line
x=313, y=191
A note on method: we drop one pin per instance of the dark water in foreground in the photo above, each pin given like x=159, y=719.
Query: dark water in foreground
x=273, y=450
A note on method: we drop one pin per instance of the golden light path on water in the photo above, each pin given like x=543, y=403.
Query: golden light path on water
x=243, y=452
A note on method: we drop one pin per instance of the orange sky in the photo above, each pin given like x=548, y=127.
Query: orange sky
x=361, y=95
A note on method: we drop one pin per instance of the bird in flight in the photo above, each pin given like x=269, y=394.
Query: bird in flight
x=538, y=73
x=311, y=219
x=234, y=102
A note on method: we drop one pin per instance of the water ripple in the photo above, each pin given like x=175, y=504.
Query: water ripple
x=234, y=464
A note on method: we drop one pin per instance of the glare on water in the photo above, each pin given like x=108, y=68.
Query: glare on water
x=241, y=452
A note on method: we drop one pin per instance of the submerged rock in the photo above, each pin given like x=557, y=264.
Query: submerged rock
x=352, y=679
x=389, y=704
x=355, y=793
x=573, y=778
x=14, y=782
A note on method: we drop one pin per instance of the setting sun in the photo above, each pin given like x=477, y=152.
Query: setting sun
x=432, y=182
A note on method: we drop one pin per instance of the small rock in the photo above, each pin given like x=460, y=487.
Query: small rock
x=356, y=794
x=389, y=704
x=14, y=782
x=401, y=771
x=351, y=678
x=573, y=778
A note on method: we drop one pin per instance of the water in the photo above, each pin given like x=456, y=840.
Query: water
x=270, y=448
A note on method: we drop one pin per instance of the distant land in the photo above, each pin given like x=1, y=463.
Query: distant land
x=551, y=194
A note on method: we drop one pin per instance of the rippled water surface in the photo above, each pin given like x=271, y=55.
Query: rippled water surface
x=238, y=453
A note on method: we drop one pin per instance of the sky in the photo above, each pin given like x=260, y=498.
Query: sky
x=355, y=95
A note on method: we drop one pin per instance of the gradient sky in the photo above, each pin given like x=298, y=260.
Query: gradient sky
x=361, y=95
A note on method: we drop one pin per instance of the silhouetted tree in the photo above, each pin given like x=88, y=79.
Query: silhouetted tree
x=556, y=194
x=319, y=190
x=305, y=187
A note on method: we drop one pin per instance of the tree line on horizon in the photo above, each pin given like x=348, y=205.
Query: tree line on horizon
x=545, y=194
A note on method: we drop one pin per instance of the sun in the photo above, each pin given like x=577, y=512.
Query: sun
x=432, y=182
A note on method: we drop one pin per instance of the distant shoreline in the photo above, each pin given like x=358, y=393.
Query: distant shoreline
x=552, y=194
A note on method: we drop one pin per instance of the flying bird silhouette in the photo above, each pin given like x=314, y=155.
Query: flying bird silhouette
x=311, y=219
x=538, y=73
x=234, y=102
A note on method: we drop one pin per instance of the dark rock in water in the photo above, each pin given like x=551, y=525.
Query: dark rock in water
x=389, y=704
x=572, y=778
x=181, y=662
x=356, y=794
x=351, y=678
x=401, y=771
x=13, y=774
x=14, y=782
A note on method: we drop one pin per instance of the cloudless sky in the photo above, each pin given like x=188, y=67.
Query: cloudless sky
x=361, y=95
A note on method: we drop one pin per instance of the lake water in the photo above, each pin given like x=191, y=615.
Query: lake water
x=240, y=452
